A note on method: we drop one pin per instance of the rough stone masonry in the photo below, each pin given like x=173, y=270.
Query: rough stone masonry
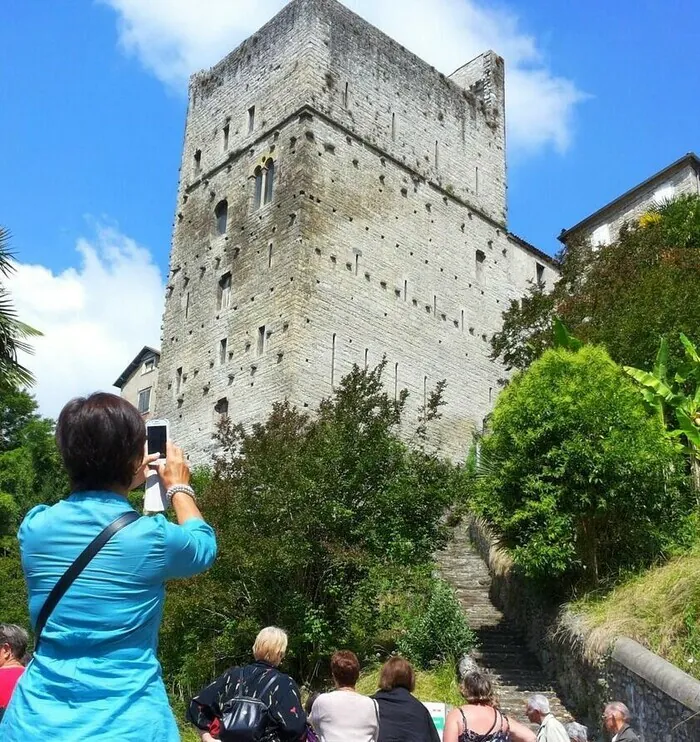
x=340, y=200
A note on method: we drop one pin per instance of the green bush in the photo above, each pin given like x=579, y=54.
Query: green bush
x=439, y=632
x=326, y=524
x=624, y=296
x=576, y=474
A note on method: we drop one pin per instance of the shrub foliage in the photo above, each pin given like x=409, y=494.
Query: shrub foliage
x=576, y=474
x=624, y=296
x=326, y=524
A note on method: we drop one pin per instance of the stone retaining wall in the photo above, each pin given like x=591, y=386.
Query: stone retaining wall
x=664, y=700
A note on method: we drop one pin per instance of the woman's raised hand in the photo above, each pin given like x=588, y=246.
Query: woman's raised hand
x=142, y=471
x=175, y=469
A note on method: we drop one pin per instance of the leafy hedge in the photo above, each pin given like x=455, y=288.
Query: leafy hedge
x=576, y=473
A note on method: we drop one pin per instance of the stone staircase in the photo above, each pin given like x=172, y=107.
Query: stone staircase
x=502, y=651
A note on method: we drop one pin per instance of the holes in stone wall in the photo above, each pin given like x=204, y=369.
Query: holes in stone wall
x=404, y=192
x=330, y=148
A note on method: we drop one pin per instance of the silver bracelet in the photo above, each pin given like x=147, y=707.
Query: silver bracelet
x=175, y=488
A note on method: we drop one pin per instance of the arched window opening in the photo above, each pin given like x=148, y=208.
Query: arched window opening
x=221, y=216
x=257, y=200
x=264, y=183
x=269, y=180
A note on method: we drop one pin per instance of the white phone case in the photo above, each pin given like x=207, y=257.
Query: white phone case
x=154, y=500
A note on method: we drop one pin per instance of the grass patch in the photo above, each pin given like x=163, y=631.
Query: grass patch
x=438, y=685
x=659, y=608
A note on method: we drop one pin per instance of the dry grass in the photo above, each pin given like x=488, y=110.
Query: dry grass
x=659, y=608
x=439, y=685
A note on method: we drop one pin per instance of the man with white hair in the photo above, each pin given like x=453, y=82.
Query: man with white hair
x=616, y=719
x=551, y=729
x=577, y=732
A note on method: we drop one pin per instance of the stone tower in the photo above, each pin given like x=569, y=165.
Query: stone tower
x=339, y=200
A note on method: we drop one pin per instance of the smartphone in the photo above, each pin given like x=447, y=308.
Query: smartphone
x=157, y=434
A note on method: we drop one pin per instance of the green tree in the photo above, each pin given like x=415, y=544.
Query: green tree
x=577, y=474
x=326, y=524
x=676, y=400
x=13, y=333
x=30, y=473
x=623, y=296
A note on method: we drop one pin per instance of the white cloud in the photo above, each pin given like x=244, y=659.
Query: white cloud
x=174, y=38
x=94, y=318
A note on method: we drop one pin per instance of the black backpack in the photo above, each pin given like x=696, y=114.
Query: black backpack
x=245, y=717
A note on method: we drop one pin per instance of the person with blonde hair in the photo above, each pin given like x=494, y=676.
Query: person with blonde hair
x=480, y=720
x=257, y=699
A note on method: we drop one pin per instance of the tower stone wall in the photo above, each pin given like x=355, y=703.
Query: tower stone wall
x=385, y=232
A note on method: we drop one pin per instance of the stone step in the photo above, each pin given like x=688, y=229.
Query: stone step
x=501, y=649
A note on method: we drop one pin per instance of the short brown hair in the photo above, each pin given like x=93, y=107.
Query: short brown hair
x=477, y=689
x=345, y=667
x=101, y=439
x=397, y=673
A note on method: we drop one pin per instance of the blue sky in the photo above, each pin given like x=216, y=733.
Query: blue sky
x=92, y=107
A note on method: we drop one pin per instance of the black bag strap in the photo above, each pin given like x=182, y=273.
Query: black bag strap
x=67, y=579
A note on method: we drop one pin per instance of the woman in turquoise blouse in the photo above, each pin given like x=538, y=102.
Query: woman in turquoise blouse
x=95, y=675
